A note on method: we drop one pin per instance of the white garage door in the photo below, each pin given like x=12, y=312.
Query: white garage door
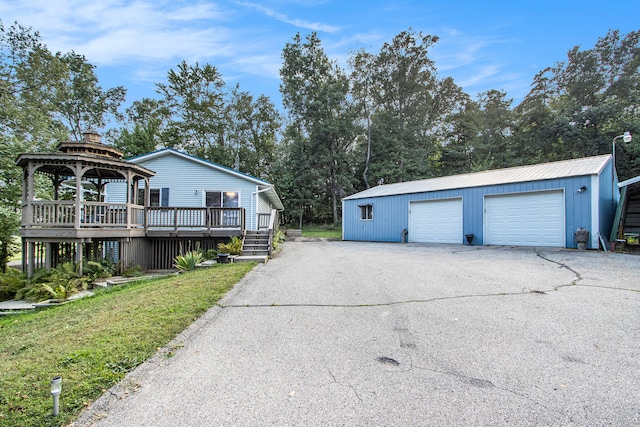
x=436, y=221
x=525, y=219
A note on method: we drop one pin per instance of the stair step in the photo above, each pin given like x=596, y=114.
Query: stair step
x=265, y=252
x=252, y=258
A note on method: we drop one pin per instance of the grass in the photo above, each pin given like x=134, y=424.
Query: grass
x=92, y=343
x=326, y=231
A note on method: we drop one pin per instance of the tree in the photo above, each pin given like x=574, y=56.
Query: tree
x=44, y=98
x=79, y=101
x=492, y=145
x=315, y=91
x=26, y=122
x=252, y=128
x=362, y=86
x=576, y=107
x=146, y=122
x=412, y=107
x=194, y=101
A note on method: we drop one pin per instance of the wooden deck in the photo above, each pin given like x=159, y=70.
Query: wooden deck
x=59, y=219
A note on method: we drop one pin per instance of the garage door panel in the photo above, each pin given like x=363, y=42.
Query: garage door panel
x=436, y=221
x=525, y=219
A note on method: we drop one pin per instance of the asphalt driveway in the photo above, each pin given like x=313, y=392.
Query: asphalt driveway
x=346, y=333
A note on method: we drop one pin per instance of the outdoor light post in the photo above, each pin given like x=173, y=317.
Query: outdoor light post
x=56, y=388
x=626, y=137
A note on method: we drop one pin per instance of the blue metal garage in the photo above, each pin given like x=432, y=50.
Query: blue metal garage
x=536, y=205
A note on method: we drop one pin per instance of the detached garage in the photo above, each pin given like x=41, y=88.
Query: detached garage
x=536, y=205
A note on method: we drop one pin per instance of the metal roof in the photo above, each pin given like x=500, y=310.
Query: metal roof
x=562, y=169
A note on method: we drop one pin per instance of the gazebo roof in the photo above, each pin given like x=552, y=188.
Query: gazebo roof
x=103, y=162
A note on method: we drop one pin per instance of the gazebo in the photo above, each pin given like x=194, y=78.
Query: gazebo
x=75, y=223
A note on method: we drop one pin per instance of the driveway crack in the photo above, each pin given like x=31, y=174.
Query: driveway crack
x=562, y=265
x=349, y=385
x=382, y=304
x=482, y=383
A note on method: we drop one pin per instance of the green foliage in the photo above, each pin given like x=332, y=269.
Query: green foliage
x=315, y=90
x=11, y=282
x=278, y=239
x=188, y=261
x=94, y=342
x=79, y=101
x=210, y=254
x=194, y=98
x=99, y=269
x=233, y=247
x=9, y=222
x=576, y=107
x=59, y=292
x=65, y=280
x=142, y=133
x=134, y=271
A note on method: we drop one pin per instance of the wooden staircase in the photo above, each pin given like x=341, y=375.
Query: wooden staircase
x=256, y=247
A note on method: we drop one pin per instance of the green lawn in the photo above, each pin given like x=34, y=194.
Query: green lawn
x=92, y=343
x=322, y=231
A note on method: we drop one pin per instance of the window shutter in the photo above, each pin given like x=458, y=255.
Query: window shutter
x=164, y=197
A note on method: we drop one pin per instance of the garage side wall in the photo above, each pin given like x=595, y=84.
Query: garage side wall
x=607, y=201
x=390, y=214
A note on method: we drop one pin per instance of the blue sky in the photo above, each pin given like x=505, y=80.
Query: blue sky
x=483, y=44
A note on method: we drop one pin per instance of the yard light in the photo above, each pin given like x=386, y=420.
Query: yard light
x=56, y=388
x=626, y=137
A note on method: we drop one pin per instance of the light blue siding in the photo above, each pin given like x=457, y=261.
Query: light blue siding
x=391, y=213
x=188, y=180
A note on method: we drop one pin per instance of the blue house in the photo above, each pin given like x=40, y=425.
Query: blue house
x=142, y=212
x=191, y=182
x=536, y=205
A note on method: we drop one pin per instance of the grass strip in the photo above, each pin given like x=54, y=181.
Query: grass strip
x=92, y=343
x=327, y=232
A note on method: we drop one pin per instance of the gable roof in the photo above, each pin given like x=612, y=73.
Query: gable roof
x=562, y=169
x=263, y=185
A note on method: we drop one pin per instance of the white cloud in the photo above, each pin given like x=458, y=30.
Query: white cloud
x=296, y=22
x=114, y=31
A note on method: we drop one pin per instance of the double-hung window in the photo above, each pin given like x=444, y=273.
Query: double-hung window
x=366, y=212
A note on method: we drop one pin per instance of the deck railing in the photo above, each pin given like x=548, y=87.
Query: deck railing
x=263, y=220
x=69, y=214
x=176, y=217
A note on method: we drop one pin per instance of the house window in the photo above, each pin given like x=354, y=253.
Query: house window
x=222, y=199
x=366, y=212
x=157, y=197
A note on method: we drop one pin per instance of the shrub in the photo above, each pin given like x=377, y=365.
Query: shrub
x=188, y=261
x=278, y=240
x=10, y=283
x=99, y=269
x=62, y=280
x=211, y=254
x=234, y=247
x=134, y=271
